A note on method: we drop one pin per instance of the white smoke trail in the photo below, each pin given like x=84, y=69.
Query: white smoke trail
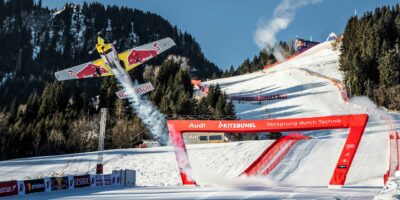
x=154, y=121
x=284, y=13
x=370, y=107
x=373, y=111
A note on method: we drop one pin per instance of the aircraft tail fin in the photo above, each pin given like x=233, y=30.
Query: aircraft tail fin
x=139, y=89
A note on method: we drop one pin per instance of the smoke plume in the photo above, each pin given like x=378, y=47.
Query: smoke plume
x=154, y=121
x=284, y=13
x=374, y=112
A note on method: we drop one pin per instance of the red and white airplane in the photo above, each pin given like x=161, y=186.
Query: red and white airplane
x=112, y=63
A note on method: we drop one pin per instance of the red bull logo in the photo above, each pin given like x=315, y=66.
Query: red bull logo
x=90, y=70
x=140, y=56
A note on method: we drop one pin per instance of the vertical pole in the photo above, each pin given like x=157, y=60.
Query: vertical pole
x=182, y=158
x=357, y=126
x=397, y=150
x=103, y=120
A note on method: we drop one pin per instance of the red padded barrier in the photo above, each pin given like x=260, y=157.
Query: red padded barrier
x=287, y=59
x=259, y=97
x=268, y=160
x=393, y=154
x=356, y=123
x=397, y=152
x=200, y=85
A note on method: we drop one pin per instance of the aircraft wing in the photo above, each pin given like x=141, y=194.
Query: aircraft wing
x=138, y=55
x=91, y=69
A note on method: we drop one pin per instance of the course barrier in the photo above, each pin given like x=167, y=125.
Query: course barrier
x=393, y=156
x=270, y=158
x=22, y=187
x=200, y=85
x=287, y=59
x=337, y=83
x=258, y=97
x=8, y=188
x=356, y=124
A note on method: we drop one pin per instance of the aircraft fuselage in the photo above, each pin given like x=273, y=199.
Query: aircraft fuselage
x=110, y=58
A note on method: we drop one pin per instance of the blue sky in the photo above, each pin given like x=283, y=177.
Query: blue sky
x=225, y=28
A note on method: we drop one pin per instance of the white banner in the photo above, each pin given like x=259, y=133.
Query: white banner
x=116, y=179
x=70, y=182
x=107, y=179
x=21, y=187
x=92, y=180
x=139, y=89
x=99, y=180
x=47, y=183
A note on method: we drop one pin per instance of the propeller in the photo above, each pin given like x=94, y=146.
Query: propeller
x=94, y=48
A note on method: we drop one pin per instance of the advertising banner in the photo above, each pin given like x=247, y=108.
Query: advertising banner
x=81, y=181
x=92, y=180
x=107, y=179
x=116, y=179
x=37, y=185
x=21, y=187
x=99, y=180
x=47, y=182
x=71, y=182
x=8, y=188
x=59, y=183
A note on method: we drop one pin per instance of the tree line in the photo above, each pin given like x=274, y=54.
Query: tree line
x=264, y=58
x=40, y=116
x=370, y=56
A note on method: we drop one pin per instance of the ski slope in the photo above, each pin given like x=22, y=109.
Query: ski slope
x=309, y=165
x=312, y=162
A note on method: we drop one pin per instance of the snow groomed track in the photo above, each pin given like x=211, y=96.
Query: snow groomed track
x=273, y=155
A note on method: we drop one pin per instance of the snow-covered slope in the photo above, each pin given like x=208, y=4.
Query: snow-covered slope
x=307, y=79
x=155, y=166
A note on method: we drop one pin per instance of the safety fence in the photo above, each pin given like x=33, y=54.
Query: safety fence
x=258, y=97
x=271, y=157
x=48, y=184
x=200, y=85
x=343, y=92
x=287, y=59
x=393, y=156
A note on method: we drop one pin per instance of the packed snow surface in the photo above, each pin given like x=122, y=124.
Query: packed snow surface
x=307, y=79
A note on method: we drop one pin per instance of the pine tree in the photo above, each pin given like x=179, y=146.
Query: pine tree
x=389, y=67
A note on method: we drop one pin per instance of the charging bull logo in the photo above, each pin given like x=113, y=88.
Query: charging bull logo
x=140, y=56
x=59, y=183
x=90, y=70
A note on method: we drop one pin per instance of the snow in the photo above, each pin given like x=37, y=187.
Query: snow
x=59, y=11
x=304, y=172
x=239, y=192
x=134, y=38
x=34, y=38
x=155, y=166
x=78, y=28
x=6, y=77
x=109, y=28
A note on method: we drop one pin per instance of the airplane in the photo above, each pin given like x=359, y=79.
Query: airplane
x=112, y=63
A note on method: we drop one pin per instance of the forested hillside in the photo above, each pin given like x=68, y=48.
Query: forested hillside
x=265, y=57
x=37, y=41
x=40, y=116
x=370, y=56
